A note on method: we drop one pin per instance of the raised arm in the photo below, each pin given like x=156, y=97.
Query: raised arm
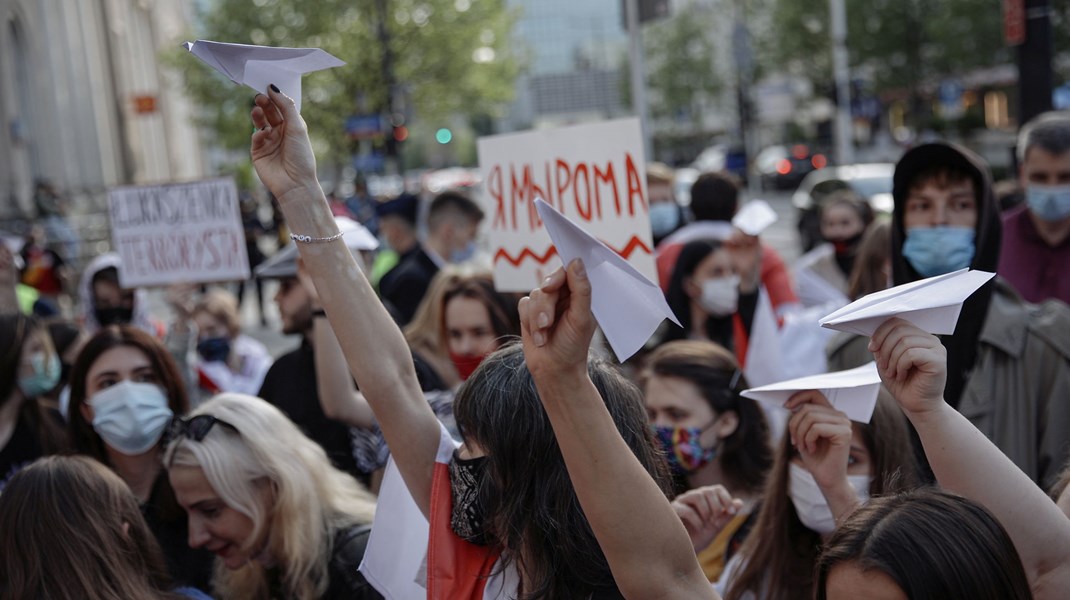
x=913, y=365
x=646, y=545
x=373, y=345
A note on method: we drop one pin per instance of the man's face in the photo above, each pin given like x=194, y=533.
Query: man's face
x=929, y=205
x=295, y=306
x=1041, y=167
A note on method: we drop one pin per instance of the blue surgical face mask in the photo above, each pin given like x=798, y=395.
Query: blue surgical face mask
x=935, y=251
x=460, y=255
x=130, y=416
x=45, y=376
x=1048, y=202
x=664, y=218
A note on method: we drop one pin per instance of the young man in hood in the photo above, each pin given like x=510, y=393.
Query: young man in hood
x=1008, y=361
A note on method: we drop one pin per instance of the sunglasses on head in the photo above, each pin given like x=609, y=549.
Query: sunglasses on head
x=196, y=428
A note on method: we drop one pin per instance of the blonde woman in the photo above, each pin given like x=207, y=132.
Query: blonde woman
x=282, y=522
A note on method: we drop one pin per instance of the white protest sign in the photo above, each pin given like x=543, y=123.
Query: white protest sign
x=594, y=174
x=176, y=233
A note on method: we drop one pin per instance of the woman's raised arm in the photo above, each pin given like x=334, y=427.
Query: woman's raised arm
x=373, y=345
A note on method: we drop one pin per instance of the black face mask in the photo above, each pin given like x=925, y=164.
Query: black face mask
x=114, y=316
x=467, y=517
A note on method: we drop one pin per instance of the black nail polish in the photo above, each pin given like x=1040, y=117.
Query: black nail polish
x=274, y=89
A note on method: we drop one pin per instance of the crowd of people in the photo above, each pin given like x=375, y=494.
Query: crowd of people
x=432, y=436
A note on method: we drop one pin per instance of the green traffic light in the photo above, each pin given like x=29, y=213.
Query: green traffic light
x=443, y=136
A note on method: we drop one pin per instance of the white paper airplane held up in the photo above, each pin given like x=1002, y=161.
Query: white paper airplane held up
x=754, y=217
x=931, y=304
x=627, y=305
x=853, y=392
x=260, y=66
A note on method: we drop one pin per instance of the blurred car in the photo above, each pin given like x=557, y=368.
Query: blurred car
x=784, y=167
x=723, y=157
x=871, y=181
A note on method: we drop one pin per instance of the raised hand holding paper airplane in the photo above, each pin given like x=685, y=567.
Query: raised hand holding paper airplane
x=931, y=304
x=853, y=392
x=260, y=66
x=754, y=217
x=627, y=305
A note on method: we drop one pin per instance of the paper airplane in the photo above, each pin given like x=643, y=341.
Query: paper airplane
x=754, y=217
x=627, y=305
x=853, y=392
x=260, y=66
x=931, y=304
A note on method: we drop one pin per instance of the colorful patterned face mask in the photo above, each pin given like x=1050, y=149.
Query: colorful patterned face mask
x=682, y=448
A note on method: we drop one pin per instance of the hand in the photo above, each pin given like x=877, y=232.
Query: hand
x=822, y=435
x=556, y=323
x=180, y=297
x=704, y=512
x=281, y=151
x=912, y=364
x=746, y=251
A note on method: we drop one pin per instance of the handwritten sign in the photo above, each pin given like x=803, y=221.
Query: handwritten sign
x=595, y=174
x=189, y=232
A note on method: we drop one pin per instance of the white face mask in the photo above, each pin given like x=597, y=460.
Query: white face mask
x=810, y=503
x=130, y=417
x=720, y=296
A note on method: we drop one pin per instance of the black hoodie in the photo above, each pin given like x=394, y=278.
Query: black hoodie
x=962, y=345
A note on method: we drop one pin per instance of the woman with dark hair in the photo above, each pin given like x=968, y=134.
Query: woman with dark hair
x=710, y=434
x=822, y=273
x=125, y=388
x=502, y=509
x=714, y=294
x=807, y=492
x=70, y=528
x=890, y=543
x=29, y=367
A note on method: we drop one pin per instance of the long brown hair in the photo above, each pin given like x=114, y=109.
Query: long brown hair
x=479, y=286
x=746, y=455
x=780, y=552
x=872, y=261
x=530, y=505
x=83, y=439
x=72, y=530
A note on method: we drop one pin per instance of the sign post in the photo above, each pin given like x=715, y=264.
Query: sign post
x=178, y=233
x=594, y=174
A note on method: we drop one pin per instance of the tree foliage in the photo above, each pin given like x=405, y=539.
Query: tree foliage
x=681, y=63
x=449, y=57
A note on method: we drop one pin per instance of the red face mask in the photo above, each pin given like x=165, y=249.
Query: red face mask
x=465, y=364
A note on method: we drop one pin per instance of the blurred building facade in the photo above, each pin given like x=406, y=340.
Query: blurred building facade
x=86, y=103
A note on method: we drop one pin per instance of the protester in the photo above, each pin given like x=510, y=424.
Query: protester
x=228, y=360
x=825, y=467
x=914, y=367
x=666, y=215
x=424, y=331
x=70, y=528
x=709, y=433
x=844, y=220
x=1008, y=361
x=282, y=522
x=509, y=486
x=714, y=294
x=452, y=223
x=253, y=228
x=67, y=339
x=714, y=201
x=397, y=233
x=29, y=368
x=125, y=388
x=105, y=302
x=1036, y=235
x=44, y=270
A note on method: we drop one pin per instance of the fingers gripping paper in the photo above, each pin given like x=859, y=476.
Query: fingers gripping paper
x=853, y=392
x=261, y=66
x=931, y=304
x=627, y=305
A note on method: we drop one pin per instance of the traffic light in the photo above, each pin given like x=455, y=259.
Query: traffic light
x=443, y=136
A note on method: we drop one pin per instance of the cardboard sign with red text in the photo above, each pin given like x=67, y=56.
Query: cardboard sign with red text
x=594, y=174
x=178, y=233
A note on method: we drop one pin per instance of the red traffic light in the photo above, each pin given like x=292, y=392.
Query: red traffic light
x=401, y=133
